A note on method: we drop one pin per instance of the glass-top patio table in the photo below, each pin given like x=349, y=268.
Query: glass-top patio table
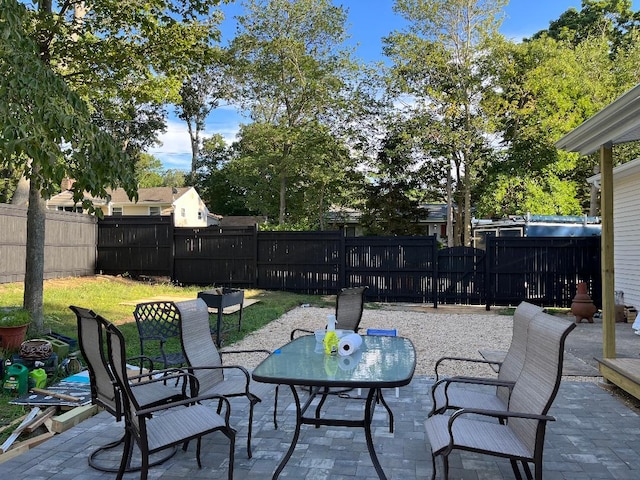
x=381, y=362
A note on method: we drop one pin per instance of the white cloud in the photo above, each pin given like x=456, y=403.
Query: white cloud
x=175, y=149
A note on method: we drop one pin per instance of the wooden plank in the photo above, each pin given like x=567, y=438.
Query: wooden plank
x=14, y=422
x=51, y=393
x=16, y=433
x=73, y=417
x=40, y=419
x=607, y=253
x=623, y=372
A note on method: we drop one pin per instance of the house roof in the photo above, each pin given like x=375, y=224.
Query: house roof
x=618, y=122
x=146, y=196
x=155, y=195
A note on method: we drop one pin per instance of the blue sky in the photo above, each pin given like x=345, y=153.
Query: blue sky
x=368, y=21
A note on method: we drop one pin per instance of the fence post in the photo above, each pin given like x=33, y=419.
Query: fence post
x=434, y=280
x=342, y=272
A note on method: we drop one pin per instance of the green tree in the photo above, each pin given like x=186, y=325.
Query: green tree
x=393, y=196
x=148, y=171
x=59, y=69
x=436, y=61
x=610, y=19
x=292, y=73
x=201, y=93
x=545, y=89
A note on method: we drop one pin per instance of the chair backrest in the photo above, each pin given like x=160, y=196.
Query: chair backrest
x=92, y=341
x=156, y=320
x=349, y=307
x=538, y=383
x=118, y=361
x=514, y=359
x=197, y=345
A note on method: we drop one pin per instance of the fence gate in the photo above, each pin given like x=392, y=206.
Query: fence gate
x=461, y=276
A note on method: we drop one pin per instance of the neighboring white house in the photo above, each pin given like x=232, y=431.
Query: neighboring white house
x=184, y=202
x=626, y=240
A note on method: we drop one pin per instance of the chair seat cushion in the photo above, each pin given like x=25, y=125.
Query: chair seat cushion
x=156, y=393
x=469, y=397
x=178, y=424
x=475, y=435
x=235, y=386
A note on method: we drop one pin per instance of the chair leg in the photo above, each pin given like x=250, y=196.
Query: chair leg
x=516, y=469
x=198, y=446
x=252, y=402
x=433, y=465
x=124, y=460
x=275, y=409
x=445, y=461
x=231, y=435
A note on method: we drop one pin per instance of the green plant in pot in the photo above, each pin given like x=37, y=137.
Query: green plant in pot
x=14, y=323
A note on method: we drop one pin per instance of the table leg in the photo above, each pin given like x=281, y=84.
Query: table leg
x=296, y=434
x=368, y=417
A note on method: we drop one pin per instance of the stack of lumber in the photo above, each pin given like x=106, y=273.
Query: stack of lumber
x=37, y=418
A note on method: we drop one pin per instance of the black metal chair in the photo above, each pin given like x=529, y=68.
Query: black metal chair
x=176, y=423
x=206, y=365
x=349, y=308
x=104, y=393
x=157, y=323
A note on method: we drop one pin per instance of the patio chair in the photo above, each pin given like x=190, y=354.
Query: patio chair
x=91, y=339
x=157, y=323
x=205, y=362
x=519, y=435
x=349, y=308
x=451, y=392
x=174, y=423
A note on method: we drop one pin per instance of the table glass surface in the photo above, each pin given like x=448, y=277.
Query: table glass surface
x=380, y=361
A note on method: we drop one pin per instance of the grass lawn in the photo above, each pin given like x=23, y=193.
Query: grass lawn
x=114, y=298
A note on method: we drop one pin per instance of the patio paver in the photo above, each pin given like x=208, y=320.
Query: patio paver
x=595, y=437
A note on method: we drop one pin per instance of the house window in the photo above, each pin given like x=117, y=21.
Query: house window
x=116, y=211
x=60, y=208
x=183, y=212
x=154, y=210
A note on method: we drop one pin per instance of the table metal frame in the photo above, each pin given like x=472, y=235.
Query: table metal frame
x=322, y=387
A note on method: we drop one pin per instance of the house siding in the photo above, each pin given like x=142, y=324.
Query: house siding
x=626, y=208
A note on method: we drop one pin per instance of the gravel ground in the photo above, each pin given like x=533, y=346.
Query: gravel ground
x=434, y=333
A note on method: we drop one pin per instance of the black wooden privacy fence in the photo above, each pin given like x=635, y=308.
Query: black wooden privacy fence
x=542, y=270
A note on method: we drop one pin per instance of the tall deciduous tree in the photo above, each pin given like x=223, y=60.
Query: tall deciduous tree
x=201, y=92
x=436, y=61
x=292, y=72
x=57, y=71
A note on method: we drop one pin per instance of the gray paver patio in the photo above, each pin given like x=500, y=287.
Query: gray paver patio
x=595, y=436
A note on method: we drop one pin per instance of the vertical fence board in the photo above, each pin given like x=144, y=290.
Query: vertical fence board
x=70, y=244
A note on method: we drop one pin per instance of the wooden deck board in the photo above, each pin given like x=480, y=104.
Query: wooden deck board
x=623, y=372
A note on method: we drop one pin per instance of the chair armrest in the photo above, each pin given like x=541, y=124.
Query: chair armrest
x=259, y=350
x=294, y=331
x=244, y=371
x=500, y=414
x=144, y=359
x=463, y=359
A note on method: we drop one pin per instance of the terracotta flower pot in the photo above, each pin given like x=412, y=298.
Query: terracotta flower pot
x=12, y=337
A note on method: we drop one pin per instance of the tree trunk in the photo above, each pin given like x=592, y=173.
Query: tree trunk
x=449, y=210
x=283, y=199
x=33, y=300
